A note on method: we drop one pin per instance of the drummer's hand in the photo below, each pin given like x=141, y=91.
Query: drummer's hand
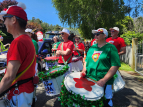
x=58, y=53
x=76, y=48
x=82, y=73
x=101, y=82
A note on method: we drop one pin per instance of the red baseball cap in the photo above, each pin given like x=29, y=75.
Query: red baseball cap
x=16, y=11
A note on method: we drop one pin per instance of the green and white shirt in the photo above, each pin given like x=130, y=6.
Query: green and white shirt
x=100, y=60
x=55, y=45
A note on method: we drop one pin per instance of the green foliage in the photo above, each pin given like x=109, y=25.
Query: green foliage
x=131, y=34
x=70, y=98
x=93, y=14
x=138, y=23
x=45, y=26
x=2, y=34
x=74, y=31
x=5, y=34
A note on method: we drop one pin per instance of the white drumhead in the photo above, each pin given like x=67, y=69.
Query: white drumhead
x=94, y=94
x=3, y=56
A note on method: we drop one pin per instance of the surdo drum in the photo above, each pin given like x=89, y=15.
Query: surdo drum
x=53, y=84
x=81, y=92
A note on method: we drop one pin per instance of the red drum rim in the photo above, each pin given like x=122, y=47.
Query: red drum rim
x=51, y=58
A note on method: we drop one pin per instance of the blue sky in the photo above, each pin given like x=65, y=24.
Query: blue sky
x=44, y=10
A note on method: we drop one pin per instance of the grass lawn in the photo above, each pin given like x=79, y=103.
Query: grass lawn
x=125, y=67
x=128, y=69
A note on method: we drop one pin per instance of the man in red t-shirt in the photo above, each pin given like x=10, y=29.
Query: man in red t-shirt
x=78, y=47
x=117, y=41
x=20, y=55
x=65, y=49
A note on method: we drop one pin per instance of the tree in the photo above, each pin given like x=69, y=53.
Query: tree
x=3, y=34
x=34, y=25
x=125, y=25
x=88, y=15
x=7, y=3
x=57, y=28
x=138, y=23
x=131, y=34
x=42, y=26
x=135, y=6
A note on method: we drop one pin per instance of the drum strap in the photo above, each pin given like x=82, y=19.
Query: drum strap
x=23, y=72
x=63, y=57
x=16, y=85
x=77, y=50
x=19, y=75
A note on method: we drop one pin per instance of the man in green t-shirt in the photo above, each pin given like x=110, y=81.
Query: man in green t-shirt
x=102, y=62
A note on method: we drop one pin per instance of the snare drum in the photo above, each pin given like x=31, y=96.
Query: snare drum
x=81, y=92
x=53, y=84
x=50, y=62
x=77, y=64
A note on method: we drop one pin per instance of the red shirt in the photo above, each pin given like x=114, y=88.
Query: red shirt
x=118, y=42
x=79, y=46
x=22, y=49
x=66, y=45
x=93, y=42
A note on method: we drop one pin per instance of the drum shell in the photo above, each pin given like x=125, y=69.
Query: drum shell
x=77, y=65
x=50, y=65
x=118, y=83
x=55, y=84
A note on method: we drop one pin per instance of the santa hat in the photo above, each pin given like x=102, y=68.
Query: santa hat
x=16, y=10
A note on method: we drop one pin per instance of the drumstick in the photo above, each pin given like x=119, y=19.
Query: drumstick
x=92, y=79
x=54, y=53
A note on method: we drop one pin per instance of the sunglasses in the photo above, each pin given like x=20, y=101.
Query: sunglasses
x=98, y=33
x=9, y=16
x=62, y=33
x=112, y=31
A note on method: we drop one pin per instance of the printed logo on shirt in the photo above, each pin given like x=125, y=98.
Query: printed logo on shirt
x=96, y=55
x=55, y=46
x=111, y=42
x=94, y=42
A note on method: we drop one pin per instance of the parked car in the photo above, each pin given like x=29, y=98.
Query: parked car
x=45, y=47
x=51, y=34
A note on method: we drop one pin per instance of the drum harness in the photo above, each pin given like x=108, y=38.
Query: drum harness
x=16, y=83
x=77, y=50
x=65, y=62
